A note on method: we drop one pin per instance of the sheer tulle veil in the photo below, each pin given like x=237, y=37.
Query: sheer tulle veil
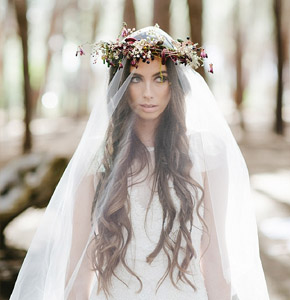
x=59, y=252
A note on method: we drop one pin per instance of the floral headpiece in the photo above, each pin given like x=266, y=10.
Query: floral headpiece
x=129, y=45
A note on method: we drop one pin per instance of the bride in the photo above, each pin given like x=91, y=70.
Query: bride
x=155, y=203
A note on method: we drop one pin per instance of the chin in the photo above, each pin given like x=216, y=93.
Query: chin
x=148, y=117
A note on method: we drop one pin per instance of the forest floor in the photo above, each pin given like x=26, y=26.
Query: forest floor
x=268, y=159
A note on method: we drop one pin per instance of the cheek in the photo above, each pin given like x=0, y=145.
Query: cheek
x=165, y=95
x=134, y=94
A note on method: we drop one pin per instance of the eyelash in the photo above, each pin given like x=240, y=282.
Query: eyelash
x=134, y=78
x=162, y=79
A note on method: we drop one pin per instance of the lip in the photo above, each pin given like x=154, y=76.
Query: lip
x=149, y=107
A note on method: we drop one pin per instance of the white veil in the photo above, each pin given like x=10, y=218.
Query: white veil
x=58, y=264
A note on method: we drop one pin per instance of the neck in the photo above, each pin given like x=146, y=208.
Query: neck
x=145, y=130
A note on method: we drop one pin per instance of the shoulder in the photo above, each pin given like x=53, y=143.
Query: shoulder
x=207, y=143
x=207, y=150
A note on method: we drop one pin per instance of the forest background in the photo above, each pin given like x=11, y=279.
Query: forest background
x=46, y=94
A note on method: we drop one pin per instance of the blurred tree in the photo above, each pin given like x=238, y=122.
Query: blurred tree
x=280, y=40
x=96, y=16
x=3, y=22
x=85, y=81
x=8, y=25
x=21, y=11
x=55, y=27
x=129, y=15
x=195, y=18
x=240, y=86
x=286, y=34
x=161, y=14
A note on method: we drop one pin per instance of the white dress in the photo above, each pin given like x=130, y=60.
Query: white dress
x=144, y=241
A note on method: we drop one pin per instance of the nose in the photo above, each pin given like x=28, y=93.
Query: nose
x=147, y=92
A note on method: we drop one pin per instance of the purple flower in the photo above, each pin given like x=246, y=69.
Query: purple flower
x=203, y=53
x=80, y=51
x=124, y=32
x=133, y=62
x=210, y=68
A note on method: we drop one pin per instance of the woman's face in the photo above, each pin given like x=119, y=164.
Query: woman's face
x=149, y=92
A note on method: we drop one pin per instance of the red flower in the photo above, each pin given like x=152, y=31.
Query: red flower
x=163, y=60
x=130, y=40
x=133, y=62
x=203, y=53
x=210, y=68
x=80, y=51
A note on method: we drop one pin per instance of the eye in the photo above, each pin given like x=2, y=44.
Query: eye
x=135, y=79
x=161, y=79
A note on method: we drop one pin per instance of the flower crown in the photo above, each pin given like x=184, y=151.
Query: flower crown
x=135, y=49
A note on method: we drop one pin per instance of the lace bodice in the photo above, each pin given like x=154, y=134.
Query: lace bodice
x=146, y=234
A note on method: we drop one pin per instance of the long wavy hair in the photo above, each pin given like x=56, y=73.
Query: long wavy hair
x=172, y=162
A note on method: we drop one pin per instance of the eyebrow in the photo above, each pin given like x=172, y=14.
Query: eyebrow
x=157, y=73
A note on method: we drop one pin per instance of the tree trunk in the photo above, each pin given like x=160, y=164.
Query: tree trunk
x=195, y=18
x=97, y=10
x=85, y=82
x=279, y=126
x=54, y=28
x=286, y=50
x=238, y=59
x=161, y=14
x=21, y=10
x=129, y=14
x=2, y=41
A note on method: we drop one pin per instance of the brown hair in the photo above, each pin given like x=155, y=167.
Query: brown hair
x=172, y=161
